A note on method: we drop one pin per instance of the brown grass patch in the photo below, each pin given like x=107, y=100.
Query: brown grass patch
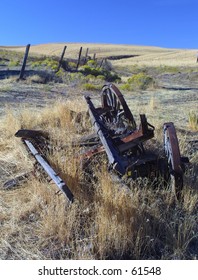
x=106, y=221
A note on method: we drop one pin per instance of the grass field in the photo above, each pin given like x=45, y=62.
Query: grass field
x=107, y=220
x=149, y=56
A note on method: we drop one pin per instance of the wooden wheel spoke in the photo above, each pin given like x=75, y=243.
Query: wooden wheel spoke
x=112, y=98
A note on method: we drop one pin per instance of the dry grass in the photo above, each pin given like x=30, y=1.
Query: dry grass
x=107, y=220
x=146, y=56
x=193, y=120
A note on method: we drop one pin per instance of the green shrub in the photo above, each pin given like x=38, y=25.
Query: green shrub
x=71, y=65
x=88, y=70
x=49, y=63
x=92, y=63
x=141, y=81
x=60, y=73
x=36, y=64
x=126, y=87
x=90, y=77
x=13, y=63
x=108, y=76
x=101, y=77
x=89, y=86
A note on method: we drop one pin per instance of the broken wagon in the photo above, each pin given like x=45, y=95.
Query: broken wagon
x=118, y=135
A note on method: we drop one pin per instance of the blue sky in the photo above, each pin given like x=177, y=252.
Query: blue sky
x=163, y=23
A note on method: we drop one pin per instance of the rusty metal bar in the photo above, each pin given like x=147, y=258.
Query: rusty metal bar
x=138, y=136
x=115, y=160
x=92, y=152
x=50, y=171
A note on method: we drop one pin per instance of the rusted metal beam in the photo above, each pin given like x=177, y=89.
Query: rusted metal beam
x=145, y=132
x=50, y=171
x=115, y=160
x=134, y=139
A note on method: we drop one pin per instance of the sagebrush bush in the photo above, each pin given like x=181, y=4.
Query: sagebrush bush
x=89, y=86
x=49, y=63
x=92, y=63
x=141, y=81
x=126, y=87
x=71, y=65
x=98, y=72
x=14, y=62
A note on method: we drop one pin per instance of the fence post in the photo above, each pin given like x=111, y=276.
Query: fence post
x=101, y=62
x=24, y=62
x=94, y=56
x=61, y=58
x=79, y=56
x=86, y=55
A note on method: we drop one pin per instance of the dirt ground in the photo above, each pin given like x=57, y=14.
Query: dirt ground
x=175, y=95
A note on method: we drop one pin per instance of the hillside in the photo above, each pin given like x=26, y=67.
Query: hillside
x=152, y=56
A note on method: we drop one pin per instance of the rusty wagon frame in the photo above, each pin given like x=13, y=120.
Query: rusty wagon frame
x=117, y=135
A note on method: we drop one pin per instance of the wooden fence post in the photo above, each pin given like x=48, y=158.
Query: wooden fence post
x=24, y=62
x=94, y=56
x=79, y=56
x=61, y=58
x=101, y=62
x=86, y=55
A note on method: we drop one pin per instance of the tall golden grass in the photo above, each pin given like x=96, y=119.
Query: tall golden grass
x=107, y=220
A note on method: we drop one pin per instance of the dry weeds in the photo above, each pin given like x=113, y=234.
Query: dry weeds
x=107, y=219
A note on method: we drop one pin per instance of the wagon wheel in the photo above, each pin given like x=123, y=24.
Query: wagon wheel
x=172, y=152
x=112, y=99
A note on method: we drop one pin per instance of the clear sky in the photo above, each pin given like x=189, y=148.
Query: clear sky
x=163, y=23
